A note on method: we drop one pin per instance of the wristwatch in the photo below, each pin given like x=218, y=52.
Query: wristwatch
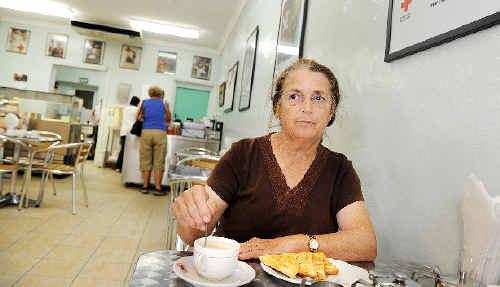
x=313, y=243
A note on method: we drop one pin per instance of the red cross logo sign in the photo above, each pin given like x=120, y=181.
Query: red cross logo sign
x=405, y=5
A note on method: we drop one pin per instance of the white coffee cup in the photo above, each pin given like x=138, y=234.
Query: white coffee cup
x=11, y=133
x=218, y=259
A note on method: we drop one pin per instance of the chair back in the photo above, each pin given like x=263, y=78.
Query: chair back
x=16, y=144
x=193, y=151
x=80, y=152
x=200, y=161
x=197, y=151
x=48, y=134
x=193, y=169
x=83, y=153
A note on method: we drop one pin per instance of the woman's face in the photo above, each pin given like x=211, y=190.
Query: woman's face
x=305, y=107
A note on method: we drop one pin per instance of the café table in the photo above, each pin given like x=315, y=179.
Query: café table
x=32, y=138
x=156, y=269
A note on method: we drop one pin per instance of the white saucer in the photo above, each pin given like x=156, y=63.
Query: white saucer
x=184, y=269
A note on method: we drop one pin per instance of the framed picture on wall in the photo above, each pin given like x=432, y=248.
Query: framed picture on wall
x=414, y=26
x=222, y=91
x=130, y=57
x=19, y=77
x=93, y=51
x=166, y=63
x=230, y=87
x=56, y=45
x=18, y=40
x=290, y=33
x=201, y=68
x=248, y=70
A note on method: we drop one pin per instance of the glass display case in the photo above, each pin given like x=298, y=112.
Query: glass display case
x=40, y=105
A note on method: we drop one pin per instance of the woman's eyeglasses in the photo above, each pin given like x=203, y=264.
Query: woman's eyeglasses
x=317, y=100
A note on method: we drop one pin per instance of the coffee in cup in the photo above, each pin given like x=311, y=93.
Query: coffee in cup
x=218, y=259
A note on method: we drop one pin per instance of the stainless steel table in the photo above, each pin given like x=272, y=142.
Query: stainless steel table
x=12, y=197
x=156, y=269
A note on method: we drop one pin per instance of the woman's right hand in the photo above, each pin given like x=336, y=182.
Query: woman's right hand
x=198, y=206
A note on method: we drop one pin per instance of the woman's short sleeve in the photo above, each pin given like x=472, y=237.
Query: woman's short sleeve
x=348, y=187
x=224, y=178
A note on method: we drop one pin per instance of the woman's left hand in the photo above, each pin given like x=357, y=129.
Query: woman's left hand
x=256, y=247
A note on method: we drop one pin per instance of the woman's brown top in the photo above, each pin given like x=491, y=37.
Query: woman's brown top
x=249, y=178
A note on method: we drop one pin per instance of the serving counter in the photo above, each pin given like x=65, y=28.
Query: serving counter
x=131, y=173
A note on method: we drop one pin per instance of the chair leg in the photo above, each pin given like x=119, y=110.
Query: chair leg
x=23, y=191
x=1, y=183
x=41, y=191
x=84, y=187
x=173, y=187
x=53, y=183
x=73, y=176
x=27, y=188
x=13, y=182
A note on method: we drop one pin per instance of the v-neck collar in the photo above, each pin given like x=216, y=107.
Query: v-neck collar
x=291, y=199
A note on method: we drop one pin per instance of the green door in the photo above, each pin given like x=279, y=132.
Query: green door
x=190, y=103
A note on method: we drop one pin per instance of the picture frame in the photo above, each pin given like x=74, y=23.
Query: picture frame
x=93, y=51
x=202, y=68
x=130, y=57
x=166, y=63
x=20, y=77
x=248, y=71
x=230, y=88
x=222, y=92
x=291, y=30
x=56, y=45
x=415, y=26
x=18, y=40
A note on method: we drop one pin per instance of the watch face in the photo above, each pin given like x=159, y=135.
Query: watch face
x=313, y=244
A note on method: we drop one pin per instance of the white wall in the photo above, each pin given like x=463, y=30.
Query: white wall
x=252, y=122
x=413, y=128
x=108, y=76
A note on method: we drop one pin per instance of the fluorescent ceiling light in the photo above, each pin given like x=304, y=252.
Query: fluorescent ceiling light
x=44, y=7
x=289, y=50
x=168, y=29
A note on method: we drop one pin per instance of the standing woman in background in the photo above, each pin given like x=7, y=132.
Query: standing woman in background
x=129, y=115
x=155, y=114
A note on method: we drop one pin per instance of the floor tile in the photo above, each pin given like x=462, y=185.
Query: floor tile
x=43, y=281
x=49, y=246
x=82, y=281
x=57, y=268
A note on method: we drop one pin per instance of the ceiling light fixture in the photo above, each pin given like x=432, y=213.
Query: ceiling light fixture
x=44, y=7
x=161, y=28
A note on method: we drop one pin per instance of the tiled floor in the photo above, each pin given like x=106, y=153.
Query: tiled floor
x=48, y=246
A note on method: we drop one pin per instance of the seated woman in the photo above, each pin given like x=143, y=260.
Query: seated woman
x=285, y=192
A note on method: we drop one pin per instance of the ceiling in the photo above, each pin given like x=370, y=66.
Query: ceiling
x=213, y=18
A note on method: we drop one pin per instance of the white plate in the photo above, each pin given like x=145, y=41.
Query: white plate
x=184, y=269
x=347, y=273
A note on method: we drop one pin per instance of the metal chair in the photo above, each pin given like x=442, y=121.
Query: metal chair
x=188, y=171
x=193, y=151
x=11, y=166
x=42, y=140
x=49, y=168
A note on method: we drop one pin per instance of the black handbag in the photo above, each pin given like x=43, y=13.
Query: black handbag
x=137, y=128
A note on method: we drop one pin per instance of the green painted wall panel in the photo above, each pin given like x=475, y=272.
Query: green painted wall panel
x=191, y=103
